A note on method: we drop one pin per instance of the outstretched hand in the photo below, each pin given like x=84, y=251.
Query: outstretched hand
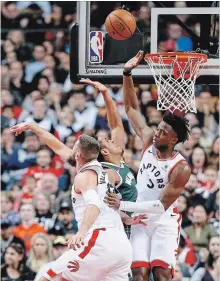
x=136, y=220
x=99, y=86
x=133, y=62
x=76, y=241
x=19, y=128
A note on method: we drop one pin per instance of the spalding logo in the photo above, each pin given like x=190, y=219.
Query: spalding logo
x=73, y=266
x=96, y=71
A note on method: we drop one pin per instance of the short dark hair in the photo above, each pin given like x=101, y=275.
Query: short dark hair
x=179, y=124
x=89, y=146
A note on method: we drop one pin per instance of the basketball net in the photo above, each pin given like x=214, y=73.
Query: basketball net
x=175, y=75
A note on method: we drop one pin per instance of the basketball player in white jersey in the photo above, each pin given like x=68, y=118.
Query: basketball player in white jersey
x=94, y=252
x=162, y=176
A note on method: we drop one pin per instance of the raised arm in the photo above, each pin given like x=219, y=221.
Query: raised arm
x=57, y=146
x=169, y=194
x=131, y=102
x=86, y=183
x=113, y=116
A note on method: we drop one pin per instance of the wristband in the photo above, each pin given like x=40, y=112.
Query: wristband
x=127, y=73
x=91, y=197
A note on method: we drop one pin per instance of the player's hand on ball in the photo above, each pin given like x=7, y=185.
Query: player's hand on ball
x=134, y=62
x=99, y=86
x=136, y=220
x=112, y=200
x=76, y=241
x=19, y=128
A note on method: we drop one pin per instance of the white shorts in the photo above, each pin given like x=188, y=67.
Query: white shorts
x=157, y=243
x=106, y=256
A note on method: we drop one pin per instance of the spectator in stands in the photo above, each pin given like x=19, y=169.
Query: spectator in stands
x=10, y=15
x=18, y=87
x=193, y=191
x=130, y=162
x=41, y=252
x=8, y=145
x=210, y=272
x=214, y=154
x=66, y=217
x=44, y=216
x=28, y=228
x=67, y=125
x=7, y=213
x=10, y=100
x=200, y=232
x=49, y=184
x=28, y=187
x=187, y=149
x=198, y=160
x=213, y=203
x=137, y=148
x=7, y=238
x=77, y=102
x=56, y=19
x=16, y=193
x=37, y=64
x=24, y=157
x=178, y=275
x=42, y=85
x=41, y=115
x=59, y=246
x=183, y=207
x=17, y=37
x=44, y=160
x=206, y=112
x=100, y=121
x=15, y=267
x=176, y=41
x=186, y=255
x=192, y=118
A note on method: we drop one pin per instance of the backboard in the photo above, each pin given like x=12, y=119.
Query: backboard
x=107, y=65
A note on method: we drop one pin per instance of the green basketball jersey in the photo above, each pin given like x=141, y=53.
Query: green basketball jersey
x=126, y=187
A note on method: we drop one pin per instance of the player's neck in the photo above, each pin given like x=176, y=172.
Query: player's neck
x=165, y=154
x=114, y=160
x=80, y=164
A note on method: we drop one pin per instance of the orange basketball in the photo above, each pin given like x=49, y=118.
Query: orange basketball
x=120, y=24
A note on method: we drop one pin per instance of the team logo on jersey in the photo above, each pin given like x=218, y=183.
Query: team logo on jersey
x=95, y=47
x=73, y=266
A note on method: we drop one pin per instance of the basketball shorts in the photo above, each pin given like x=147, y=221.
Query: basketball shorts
x=106, y=256
x=157, y=243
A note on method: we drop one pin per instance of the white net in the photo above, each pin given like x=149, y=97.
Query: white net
x=175, y=78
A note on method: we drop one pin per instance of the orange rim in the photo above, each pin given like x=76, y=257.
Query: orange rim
x=168, y=57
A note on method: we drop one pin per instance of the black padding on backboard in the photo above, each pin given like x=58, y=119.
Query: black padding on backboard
x=120, y=51
x=74, y=57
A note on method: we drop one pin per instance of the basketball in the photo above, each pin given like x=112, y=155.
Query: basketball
x=120, y=24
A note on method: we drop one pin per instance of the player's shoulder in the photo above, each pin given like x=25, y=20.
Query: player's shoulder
x=183, y=165
x=85, y=175
x=181, y=172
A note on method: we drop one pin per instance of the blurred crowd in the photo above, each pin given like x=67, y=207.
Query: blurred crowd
x=36, y=212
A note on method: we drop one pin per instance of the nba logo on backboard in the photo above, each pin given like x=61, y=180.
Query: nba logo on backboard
x=95, y=47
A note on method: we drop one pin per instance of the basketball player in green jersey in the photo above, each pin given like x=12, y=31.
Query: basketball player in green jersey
x=112, y=151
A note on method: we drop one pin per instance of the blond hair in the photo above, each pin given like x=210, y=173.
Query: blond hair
x=32, y=261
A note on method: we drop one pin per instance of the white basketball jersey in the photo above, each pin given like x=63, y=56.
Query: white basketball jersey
x=154, y=174
x=108, y=218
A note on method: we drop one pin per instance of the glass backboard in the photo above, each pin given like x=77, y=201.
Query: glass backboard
x=161, y=33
